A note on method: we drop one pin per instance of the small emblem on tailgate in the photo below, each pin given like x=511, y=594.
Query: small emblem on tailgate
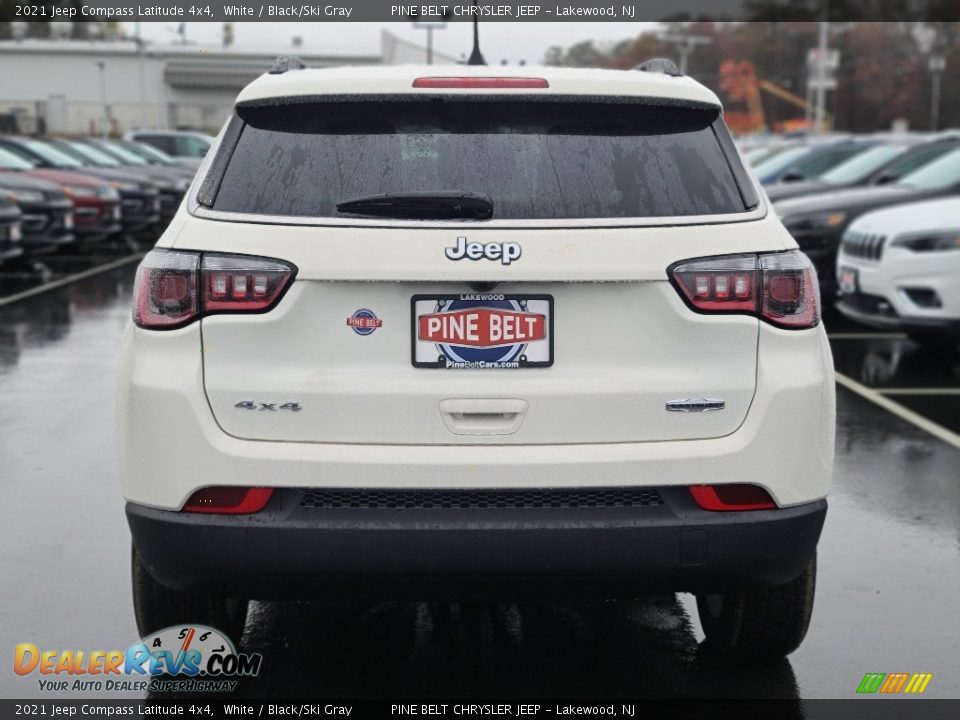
x=689, y=405
x=506, y=252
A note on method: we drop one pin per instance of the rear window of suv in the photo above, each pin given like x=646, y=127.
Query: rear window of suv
x=532, y=159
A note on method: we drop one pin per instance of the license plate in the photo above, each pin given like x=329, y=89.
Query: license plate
x=848, y=281
x=482, y=331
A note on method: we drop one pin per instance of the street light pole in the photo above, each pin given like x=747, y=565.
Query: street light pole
x=103, y=96
x=430, y=26
x=821, y=95
x=936, y=64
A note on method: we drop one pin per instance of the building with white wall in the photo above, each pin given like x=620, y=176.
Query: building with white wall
x=78, y=86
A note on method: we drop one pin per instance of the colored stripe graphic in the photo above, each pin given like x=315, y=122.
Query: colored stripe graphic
x=871, y=682
x=918, y=682
x=893, y=683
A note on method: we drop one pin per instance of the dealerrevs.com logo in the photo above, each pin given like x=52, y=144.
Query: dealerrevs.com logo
x=191, y=658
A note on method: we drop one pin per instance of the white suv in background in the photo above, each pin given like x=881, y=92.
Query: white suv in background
x=468, y=332
x=899, y=268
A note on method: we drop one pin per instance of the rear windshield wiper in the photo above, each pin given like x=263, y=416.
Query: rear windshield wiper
x=441, y=205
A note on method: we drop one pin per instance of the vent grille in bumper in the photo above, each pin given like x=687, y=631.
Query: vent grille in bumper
x=482, y=499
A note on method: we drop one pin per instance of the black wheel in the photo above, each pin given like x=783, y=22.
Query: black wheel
x=157, y=606
x=760, y=622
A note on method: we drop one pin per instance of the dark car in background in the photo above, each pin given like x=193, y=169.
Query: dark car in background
x=818, y=222
x=95, y=203
x=138, y=196
x=880, y=165
x=172, y=182
x=9, y=228
x=806, y=162
x=47, y=221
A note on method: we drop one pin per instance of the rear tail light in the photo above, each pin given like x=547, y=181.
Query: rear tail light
x=175, y=288
x=480, y=83
x=239, y=284
x=780, y=288
x=228, y=500
x=166, y=290
x=732, y=498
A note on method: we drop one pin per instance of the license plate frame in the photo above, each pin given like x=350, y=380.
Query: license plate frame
x=849, y=280
x=514, y=356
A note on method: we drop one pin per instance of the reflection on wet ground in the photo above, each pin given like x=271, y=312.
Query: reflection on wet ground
x=29, y=273
x=601, y=650
x=887, y=589
x=922, y=378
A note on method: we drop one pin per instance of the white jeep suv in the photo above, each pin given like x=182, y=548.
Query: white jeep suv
x=899, y=268
x=456, y=333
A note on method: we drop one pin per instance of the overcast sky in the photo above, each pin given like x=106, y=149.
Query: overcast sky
x=498, y=40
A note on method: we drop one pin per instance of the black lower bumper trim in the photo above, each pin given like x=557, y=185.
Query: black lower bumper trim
x=887, y=321
x=293, y=551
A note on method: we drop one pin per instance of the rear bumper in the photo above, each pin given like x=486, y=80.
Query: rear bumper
x=289, y=550
x=785, y=444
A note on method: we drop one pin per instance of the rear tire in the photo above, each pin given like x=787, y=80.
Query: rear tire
x=156, y=606
x=766, y=622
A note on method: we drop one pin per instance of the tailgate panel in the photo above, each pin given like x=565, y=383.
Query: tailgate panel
x=621, y=352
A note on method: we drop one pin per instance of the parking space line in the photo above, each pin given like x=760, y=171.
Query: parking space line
x=40, y=289
x=938, y=431
x=918, y=391
x=866, y=336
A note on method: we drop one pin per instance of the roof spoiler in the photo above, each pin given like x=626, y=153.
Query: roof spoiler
x=283, y=63
x=662, y=66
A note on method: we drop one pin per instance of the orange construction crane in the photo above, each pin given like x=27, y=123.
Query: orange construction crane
x=738, y=79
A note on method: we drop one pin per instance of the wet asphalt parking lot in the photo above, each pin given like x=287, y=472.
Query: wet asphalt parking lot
x=889, y=561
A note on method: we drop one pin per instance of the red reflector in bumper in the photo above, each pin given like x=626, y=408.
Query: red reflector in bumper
x=480, y=82
x=228, y=500
x=732, y=498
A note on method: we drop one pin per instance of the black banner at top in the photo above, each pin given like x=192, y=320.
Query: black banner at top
x=494, y=11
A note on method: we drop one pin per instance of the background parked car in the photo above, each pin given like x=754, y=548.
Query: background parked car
x=817, y=222
x=155, y=156
x=806, y=162
x=187, y=147
x=96, y=204
x=9, y=228
x=47, y=221
x=882, y=164
x=900, y=268
x=138, y=196
x=172, y=182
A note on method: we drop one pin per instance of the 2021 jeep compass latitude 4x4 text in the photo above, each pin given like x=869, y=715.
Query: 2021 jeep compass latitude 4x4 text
x=433, y=334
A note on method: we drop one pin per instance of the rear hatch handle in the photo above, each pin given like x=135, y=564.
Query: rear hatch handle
x=483, y=416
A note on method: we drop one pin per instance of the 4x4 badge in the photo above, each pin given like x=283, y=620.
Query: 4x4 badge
x=506, y=252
